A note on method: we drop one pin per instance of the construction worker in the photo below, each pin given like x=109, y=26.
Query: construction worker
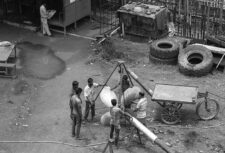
x=75, y=86
x=141, y=108
x=125, y=84
x=76, y=113
x=115, y=113
x=44, y=19
x=89, y=93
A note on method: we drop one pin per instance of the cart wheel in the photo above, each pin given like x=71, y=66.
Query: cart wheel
x=208, y=109
x=170, y=115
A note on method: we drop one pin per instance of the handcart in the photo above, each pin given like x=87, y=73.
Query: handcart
x=172, y=97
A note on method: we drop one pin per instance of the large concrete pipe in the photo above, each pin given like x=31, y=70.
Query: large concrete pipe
x=130, y=96
x=107, y=95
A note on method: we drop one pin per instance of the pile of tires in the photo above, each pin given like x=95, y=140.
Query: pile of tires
x=164, y=51
x=195, y=60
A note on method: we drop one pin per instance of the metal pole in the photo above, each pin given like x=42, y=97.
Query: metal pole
x=106, y=82
x=135, y=77
x=208, y=16
x=221, y=16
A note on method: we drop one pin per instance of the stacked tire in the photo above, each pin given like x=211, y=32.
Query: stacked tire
x=195, y=60
x=164, y=51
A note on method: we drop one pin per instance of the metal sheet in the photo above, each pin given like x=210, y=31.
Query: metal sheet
x=5, y=52
x=176, y=93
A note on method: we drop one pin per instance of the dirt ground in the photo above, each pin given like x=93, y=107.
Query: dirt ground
x=34, y=107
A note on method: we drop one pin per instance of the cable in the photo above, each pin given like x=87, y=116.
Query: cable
x=56, y=142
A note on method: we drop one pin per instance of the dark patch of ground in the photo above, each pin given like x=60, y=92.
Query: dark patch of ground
x=39, y=61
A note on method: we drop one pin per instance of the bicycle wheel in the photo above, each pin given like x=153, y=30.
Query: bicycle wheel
x=170, y=115
x=208, y=109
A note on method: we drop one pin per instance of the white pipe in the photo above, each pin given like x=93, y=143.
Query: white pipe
x=149, y=134
x=144, y=129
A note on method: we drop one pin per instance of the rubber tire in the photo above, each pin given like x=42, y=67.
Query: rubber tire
x=164, y=53
x=209, y=118
x=155, y=60
x=197, y=70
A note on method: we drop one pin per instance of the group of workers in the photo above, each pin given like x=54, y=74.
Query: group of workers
x=76, y=104
x=116, y=111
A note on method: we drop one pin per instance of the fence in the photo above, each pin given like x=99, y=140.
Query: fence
x=192, y=18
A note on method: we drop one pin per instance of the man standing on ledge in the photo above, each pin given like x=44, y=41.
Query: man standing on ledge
x=44, y=19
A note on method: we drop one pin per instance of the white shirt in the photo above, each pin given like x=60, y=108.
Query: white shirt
x=43, y=12
x=90, y=92
x=142, y=106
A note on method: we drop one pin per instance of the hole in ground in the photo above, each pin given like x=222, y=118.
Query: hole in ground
x=165, y=45
x=195, y=58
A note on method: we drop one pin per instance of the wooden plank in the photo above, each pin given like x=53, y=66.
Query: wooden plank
x=213, y=49
x=215, y=40
x=7, y=65
x=175, y=93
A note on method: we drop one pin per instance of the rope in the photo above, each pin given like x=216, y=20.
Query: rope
x=56, y=142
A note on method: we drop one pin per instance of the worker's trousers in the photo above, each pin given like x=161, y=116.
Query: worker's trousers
x=44, y=27
x=76, y=125
x=117, y=132
x=89, y=106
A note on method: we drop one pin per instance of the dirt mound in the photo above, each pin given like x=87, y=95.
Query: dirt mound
x=105, y=51
x=114, y=48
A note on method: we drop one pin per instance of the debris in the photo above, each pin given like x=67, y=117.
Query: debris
x=68, y=68
x=10, y=102
x=168, y=144
x=156, y=131
x=25, y=125
x=170, y=132
x=190, y=139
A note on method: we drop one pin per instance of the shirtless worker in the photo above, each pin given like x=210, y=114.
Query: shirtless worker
x=76, y=113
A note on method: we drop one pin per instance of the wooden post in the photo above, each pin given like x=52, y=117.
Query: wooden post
x=207, y=17
x=179, y=7
x=221, y=16
x=123, y=32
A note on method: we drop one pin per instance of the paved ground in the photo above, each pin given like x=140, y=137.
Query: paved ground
x=33, y=108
